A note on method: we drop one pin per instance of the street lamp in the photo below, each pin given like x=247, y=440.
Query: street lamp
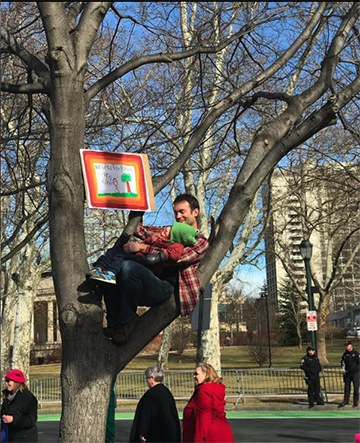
x=264, y=294
x=268, y=328
x=306, y=253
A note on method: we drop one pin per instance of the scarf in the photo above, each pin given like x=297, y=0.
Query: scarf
x=11, y=397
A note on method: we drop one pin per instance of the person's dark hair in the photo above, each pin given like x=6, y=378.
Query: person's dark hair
x=193, y=201
x=155, y=372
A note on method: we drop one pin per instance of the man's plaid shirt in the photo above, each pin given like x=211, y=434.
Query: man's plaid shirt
x=189, y=286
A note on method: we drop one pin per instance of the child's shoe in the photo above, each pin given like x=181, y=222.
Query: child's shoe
x=92, y=272
x=105, y=276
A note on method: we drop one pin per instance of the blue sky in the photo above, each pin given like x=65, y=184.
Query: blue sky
x=252, y=279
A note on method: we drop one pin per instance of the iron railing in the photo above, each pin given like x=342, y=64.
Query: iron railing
x=239, y=384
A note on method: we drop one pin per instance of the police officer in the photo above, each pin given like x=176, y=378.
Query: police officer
x=350, y=363
x=310, y=364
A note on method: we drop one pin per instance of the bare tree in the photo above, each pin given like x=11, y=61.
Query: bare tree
x=69, y=78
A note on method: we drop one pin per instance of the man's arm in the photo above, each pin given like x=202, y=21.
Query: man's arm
x=303, y=364
x=195, y=253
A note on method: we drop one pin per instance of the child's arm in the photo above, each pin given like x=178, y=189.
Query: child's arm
x=172, y=252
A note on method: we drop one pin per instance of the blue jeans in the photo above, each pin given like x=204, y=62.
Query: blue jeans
x=135, y=286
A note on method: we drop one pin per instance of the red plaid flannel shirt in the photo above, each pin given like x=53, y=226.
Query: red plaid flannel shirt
x=189, y=286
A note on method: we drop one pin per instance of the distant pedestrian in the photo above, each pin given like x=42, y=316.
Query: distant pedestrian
x=350, y=363
x=310, y=364
x=156, y=416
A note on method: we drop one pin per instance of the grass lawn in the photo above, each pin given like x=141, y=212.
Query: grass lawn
x=232, y=357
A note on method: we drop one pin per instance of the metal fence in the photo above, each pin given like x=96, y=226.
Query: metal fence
x=239, y=384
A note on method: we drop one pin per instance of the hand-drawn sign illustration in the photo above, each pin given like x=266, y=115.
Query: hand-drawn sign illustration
x=117, y=180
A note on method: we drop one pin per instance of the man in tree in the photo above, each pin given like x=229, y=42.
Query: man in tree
x=310, y=364
x=171, y=240
x=138, y=285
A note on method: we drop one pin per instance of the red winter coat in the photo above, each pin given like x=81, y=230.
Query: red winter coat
x=204, y=418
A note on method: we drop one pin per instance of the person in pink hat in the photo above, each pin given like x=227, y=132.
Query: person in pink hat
x=19, y=409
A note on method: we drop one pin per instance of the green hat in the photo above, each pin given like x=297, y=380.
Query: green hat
x=183, y=233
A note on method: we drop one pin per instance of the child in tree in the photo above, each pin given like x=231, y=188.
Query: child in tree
x=170, y=242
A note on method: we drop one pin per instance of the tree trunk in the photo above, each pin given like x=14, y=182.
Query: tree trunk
x=23, y=328
x=87, y=365
x=321, y=333
x=163, y=357
x=6, y=327
x=211, y=337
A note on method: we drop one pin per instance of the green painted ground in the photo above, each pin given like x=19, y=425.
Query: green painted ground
x=245, y=415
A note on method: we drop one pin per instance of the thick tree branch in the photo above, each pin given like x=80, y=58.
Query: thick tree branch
x=30, y=88
x=92, y=16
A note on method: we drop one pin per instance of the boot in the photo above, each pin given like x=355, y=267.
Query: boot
x=125, y=331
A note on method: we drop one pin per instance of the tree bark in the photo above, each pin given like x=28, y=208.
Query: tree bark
x=163, y=356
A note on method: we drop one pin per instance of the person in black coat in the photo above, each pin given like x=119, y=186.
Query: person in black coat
x=156, y=416
x=350, y=362
x=19, y=409
x=310, y=364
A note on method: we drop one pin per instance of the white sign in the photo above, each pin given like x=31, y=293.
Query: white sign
x=311, y=321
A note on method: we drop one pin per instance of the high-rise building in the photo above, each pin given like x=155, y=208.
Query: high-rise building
x=320, y=204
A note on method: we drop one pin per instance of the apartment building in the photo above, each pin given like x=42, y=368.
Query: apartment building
x=319, y=204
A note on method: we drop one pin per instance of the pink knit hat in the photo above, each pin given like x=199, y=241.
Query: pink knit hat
x=15, y=375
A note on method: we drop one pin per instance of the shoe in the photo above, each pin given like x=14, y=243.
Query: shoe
x=109, y=331
x=104, y=276
x=320, y=403
x=311, y=406
x=356, y=404
x=125, y=331
x=341, y=405
x=92, y=272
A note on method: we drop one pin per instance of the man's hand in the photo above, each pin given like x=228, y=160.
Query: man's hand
x=142, y=438
x=132, y=247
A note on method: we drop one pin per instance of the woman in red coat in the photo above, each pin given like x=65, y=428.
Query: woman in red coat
x=204, y=418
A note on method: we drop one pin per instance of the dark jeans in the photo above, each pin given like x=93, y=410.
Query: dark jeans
x=348, y=378
x=135, y=286
x=114, y=258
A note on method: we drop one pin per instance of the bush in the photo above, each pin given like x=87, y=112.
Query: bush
x=182, y=335
x=332, y=332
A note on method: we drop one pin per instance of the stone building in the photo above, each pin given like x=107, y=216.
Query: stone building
x=46, y=338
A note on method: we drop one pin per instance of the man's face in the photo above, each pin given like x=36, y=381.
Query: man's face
x=349, y=348
x=184, y=214
x=150, y=381
x=311, y=351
